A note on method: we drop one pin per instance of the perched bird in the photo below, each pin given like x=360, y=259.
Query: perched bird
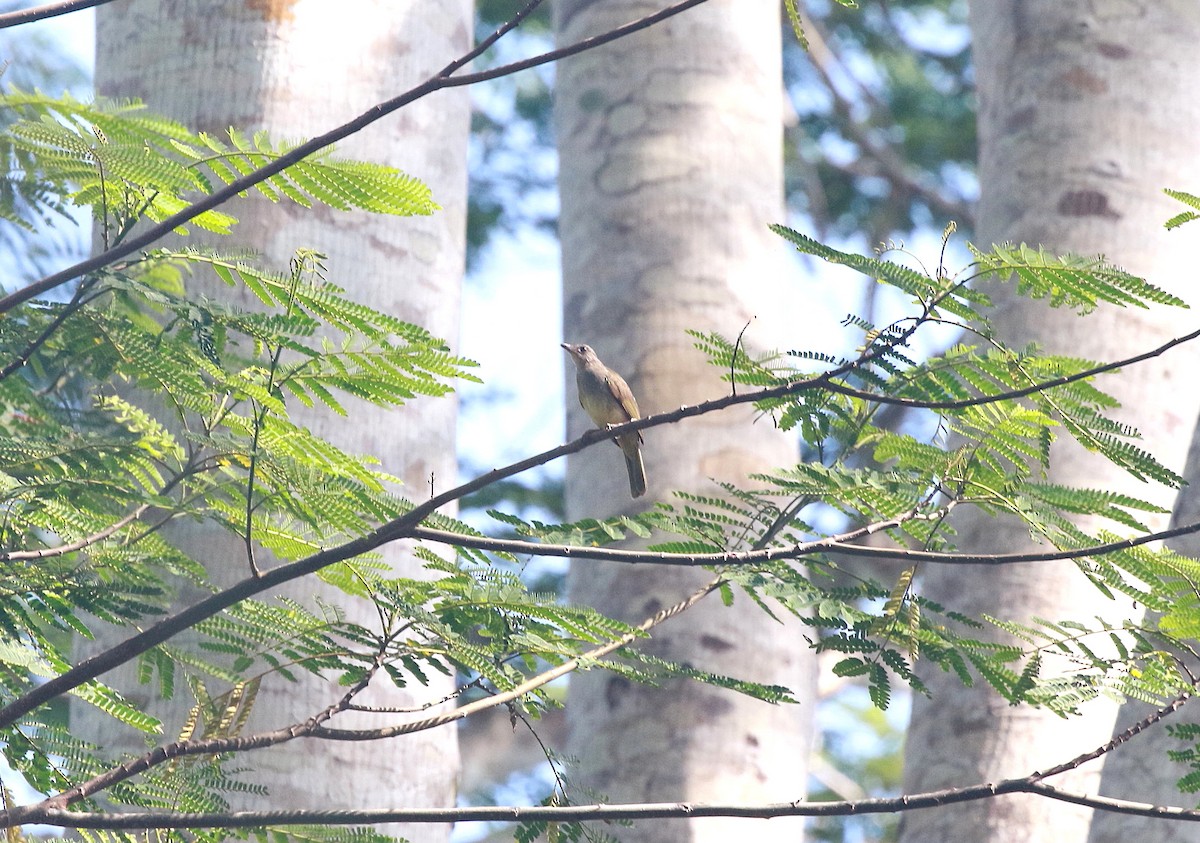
x=608, y=400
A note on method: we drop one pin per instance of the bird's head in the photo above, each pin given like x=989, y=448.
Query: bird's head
x=581, y=354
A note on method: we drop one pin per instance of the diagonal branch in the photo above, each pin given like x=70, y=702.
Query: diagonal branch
x=85, y=542
x=312, y=728
x=1129, y=734
x=531, y=684
x=443, y=79
x=49, y=10
x=100, y=535
x=981, y=400
x=193, y=747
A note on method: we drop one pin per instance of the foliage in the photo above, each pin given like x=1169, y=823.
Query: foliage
x=1189, y=732
x=1004, y=407
x=1189, y=199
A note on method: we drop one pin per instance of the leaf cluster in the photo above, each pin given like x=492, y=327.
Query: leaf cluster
x=998, y=410
x=134, y=403
x=126, y=165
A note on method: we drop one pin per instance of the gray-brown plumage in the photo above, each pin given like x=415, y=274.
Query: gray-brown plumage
x=608, y=400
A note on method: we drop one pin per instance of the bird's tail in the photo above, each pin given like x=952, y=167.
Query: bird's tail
x=637, y=471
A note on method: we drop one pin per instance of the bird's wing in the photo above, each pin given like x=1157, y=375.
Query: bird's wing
x=624, y=395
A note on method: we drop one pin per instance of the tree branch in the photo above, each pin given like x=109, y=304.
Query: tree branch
x=608, y=812
x=192, y=747
x=827, y=544
x=443, y=79
x=100, y=535
x=50, y=10
x=1032, y=784
x=86, y=541
x=999, y=396
x=531, y=684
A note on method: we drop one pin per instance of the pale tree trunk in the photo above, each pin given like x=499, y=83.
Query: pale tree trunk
x=297, y=70
x=1141, y=771
x=1087, y=110
x=670, y=171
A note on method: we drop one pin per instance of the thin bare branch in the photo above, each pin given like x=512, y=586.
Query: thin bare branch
x=86, y=541
x=612, y=554
x=206, y=746
x=486, y=44
x=1033, y=784
x=531, y=684
x=1040, y=386
x=78, y=300
x=1118, y=740
x=49, y=10
x=1117, y=806
x=608, y=812
x=836, y=543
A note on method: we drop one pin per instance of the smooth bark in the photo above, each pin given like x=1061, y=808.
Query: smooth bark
x=1087, y=111
x=670, y=172
x=296, y=69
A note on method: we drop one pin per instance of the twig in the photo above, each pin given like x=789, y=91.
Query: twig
x=733, y=360
x=77, y=301
x=100, y=535
x=86, y=541
x=209, y=746
x=1126, y=736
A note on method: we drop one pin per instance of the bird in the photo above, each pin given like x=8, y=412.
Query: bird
x=609, y=400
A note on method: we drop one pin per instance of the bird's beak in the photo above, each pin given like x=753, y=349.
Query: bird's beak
x=566, y=346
